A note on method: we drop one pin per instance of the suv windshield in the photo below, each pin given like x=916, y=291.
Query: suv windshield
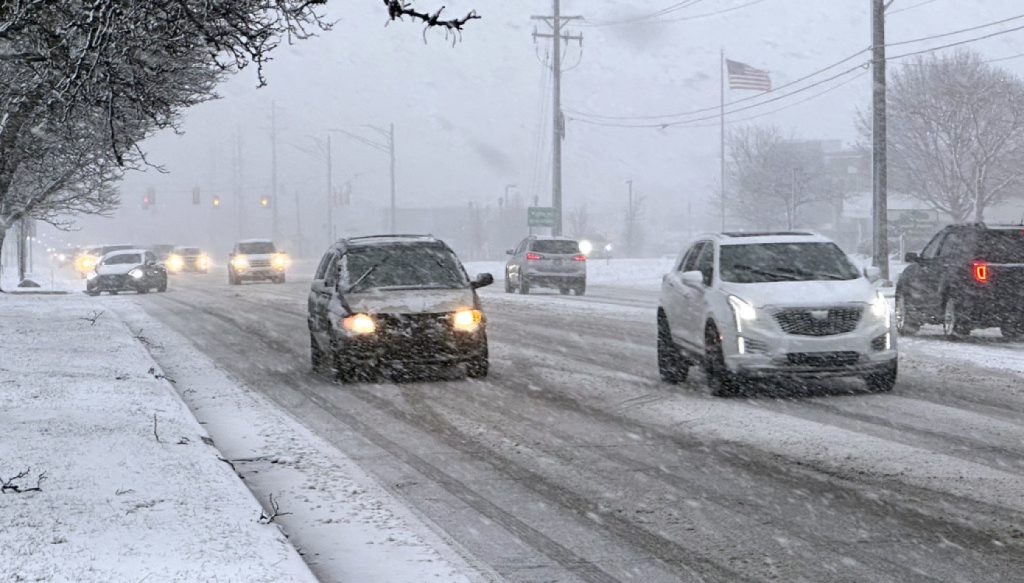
x=187, y=251
x=556, y=247
x=402, y=267
x=765, y=262
x=1003, y=246
x=256, y=248
x=129, y=259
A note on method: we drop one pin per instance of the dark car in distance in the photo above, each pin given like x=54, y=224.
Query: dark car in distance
x=968, y=276
x=396, y=301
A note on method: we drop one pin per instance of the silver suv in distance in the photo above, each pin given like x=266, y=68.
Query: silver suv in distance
x=397, y=301
x=554, y=262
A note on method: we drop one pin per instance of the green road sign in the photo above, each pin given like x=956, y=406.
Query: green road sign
x=541, y=216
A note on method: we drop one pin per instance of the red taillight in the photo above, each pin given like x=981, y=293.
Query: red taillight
x=532, y=257
x=581, y=258
x=980, y=270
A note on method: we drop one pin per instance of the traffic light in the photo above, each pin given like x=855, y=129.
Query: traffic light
x=265, y=202
x=147, y=201
x=216, y=202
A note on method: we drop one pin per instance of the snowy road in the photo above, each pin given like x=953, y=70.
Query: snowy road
x=573, y=463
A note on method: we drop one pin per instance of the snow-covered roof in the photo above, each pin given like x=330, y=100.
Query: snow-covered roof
x=552, y=238
x=762, y=238
x=244, y=241
x=127, y=252
x=390, y=240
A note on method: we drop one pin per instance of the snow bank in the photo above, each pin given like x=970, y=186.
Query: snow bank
x=82, y=402
x=640, y=273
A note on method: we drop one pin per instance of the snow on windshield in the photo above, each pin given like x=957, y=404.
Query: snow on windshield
x=402, y=267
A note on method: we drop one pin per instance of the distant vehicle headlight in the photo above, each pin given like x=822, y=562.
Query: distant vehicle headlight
x=175, y=262
x=86, y=263
x=586, y=247
x=880, y=308
x=359, y=324
x=608, y=248
x=240, y=262
x=203, y=262
x=467, y=319
x=62, y=257
x=279, y=261
x=137, y=273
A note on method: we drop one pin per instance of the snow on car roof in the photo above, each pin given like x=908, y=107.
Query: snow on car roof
x=127, y=252
x=256, y=241
x=761, y=238
x=390, y=240
x=552, y=238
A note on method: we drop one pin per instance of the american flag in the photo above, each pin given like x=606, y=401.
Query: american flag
x=743, y=76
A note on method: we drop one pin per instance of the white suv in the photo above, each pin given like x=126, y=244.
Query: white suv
x=749, y=305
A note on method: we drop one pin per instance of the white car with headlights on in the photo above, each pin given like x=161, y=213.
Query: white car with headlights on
x=762, y=305
x=401, y=301
x=257, y=260
x=130, y=270
x=183, y=259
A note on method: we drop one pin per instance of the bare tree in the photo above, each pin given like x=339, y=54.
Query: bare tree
x=956, y=133
x=86, y=82
x=775, y=178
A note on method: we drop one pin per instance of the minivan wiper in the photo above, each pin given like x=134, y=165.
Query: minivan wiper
x=366, y=274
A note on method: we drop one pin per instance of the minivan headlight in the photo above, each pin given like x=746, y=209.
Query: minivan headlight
x=467, y=320
x=359, y=324
x=880, y=308
x=742, y=310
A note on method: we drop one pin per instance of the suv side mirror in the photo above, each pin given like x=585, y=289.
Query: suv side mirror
x=911, y=257
x=872, y=273
x=482, y=280
x=510, y=252
x=692, y=278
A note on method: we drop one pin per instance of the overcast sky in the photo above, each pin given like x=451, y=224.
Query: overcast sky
x=474, y=117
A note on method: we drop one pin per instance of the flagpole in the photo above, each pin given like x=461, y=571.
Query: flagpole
x=721, y=72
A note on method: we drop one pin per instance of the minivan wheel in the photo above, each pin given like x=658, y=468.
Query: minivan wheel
x=723, y=382
x=883, y=382
x=906, y=325
x=953, y=325
x=672, y=367
x=316, y=356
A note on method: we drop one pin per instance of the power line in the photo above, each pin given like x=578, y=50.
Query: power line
x=670, y=20
x=668, y=10
x=906, y=8
x=954, y=32
x=955, y=44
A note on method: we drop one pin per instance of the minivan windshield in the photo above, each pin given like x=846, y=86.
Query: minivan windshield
x=256, y=248
x=402, y=267
x=126, y=259
x=766, y=262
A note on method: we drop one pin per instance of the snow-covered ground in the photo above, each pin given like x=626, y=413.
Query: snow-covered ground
x=130, y=486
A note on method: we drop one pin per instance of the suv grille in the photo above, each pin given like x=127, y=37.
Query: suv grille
x=823, y=322
x=823, y=359
x=259, y=263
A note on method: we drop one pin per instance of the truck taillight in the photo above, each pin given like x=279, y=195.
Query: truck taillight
x=980, y=271
x=532, y=257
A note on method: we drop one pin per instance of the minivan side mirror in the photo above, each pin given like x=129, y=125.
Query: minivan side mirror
x=911, y=257
x=692, y=278
x=872, y=273
x=482, y=280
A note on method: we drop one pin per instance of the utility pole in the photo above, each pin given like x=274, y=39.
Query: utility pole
x=330, y=193
x=391, y=152
x=556, y=22
x=880, y=202
x=274, y=203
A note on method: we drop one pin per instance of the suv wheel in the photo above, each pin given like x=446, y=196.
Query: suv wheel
x=723, y=382
x=884, y=381
x=163, y=285
x=524, y=286
x=232, y=278
x=672, y=367
x=906, y=325
x=508, y=283
x=953, y=325
x=582, y=289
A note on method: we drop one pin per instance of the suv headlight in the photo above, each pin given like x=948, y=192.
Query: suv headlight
x=359, y=324
x=240, y=262
x=880, y=308
x=467, y=320
x=742, y=310
x=137, y=273
x=175, y=262
x=279, y=261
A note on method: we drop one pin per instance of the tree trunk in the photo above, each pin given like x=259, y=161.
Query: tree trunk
x=3, y=235
x=22, y=249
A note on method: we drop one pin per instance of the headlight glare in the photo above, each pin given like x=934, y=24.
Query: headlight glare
x=742, y=310
x=279, y=261
x=137, y=273
x=359, y=324
x=240, y=262
x=586, y=247
x=175, y=262
x=467, y=319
